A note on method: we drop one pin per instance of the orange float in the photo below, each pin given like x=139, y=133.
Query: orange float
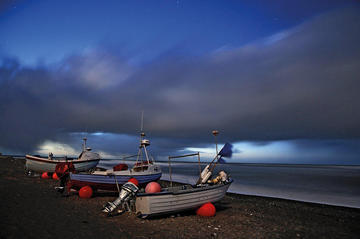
x=134, y=181
x=86, y=192
x=206, y=210
x=153, y=187
x=55, y=176
x=45, y=175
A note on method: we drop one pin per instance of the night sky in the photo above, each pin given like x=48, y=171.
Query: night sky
x=280, y=80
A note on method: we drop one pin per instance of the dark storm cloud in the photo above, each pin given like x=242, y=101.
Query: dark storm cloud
x=300, y=83
x=340, y=146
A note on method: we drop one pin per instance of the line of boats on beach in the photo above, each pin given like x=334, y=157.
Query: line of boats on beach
x=138, y=190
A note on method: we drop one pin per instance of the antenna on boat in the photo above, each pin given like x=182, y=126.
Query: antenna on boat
x=84, y=139
x=84, y=144
x=215, y=133
x=142, y=121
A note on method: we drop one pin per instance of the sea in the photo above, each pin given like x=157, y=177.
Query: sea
x=337, y=185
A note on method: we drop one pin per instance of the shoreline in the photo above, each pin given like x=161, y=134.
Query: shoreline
x=30, y=207
x=305, y=165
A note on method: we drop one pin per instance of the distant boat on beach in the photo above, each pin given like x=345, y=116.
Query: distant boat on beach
x=86, y=161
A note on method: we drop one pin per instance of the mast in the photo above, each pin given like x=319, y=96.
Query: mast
x=206, y=173
x=143, y=142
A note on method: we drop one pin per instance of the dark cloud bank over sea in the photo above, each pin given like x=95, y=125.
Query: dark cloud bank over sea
x=300, y=84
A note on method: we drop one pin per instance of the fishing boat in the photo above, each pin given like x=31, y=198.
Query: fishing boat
x=86, y=161
x=144, y=170
x=178, y=198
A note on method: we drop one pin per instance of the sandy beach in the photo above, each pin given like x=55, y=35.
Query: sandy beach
x=31, y=208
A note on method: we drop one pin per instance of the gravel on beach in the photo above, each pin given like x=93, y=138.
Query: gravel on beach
x=31, y=208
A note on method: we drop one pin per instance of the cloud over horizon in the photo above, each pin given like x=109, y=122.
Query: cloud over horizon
x=301, y=83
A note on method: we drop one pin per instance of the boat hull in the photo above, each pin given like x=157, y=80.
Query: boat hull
x=179, y=200
x=38, y=164
x=108, y=182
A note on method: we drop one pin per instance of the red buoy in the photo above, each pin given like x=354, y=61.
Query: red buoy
x=45, y=175
x=85, y=192
x=134, y=181
x=206, y=210
x=55, y=176
x=153, y=187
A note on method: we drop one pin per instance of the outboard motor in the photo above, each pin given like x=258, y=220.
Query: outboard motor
x=128, y=191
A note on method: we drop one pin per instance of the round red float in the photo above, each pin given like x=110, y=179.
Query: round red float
x=134, y=181
x=153, y=187
x=85, y=192
x=55, y=176
x=45, y=175
x=206, y=210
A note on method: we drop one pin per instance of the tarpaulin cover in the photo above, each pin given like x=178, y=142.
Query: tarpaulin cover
x=120, y=167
